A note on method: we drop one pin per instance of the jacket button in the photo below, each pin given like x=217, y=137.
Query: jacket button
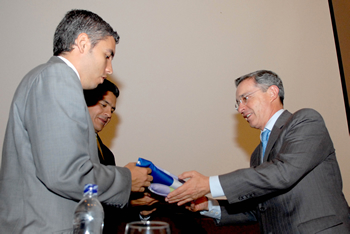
x=262, y=208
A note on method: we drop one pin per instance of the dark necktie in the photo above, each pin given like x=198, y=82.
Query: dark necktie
x=99, y=147
x=264, y=139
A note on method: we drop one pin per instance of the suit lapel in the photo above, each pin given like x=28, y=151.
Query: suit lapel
x=276, y=130
x=256, y=156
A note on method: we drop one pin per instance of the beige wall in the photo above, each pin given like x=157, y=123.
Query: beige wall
x=175, y=65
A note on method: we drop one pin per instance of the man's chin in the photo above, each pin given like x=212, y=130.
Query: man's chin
x=101, y=80
x=251, y=124
x=89, y=87
x=98, y=128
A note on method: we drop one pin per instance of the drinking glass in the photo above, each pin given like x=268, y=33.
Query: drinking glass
x=147, y=227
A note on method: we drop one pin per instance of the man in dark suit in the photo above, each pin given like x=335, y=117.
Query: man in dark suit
x=50, y=149
x=294, y=183
x=101, y=103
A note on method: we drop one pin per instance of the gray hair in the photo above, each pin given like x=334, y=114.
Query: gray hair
x=76, y=22
x=264, y=79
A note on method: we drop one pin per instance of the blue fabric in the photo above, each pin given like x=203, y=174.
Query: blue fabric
x=159, y=176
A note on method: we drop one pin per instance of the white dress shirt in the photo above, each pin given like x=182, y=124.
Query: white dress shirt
x=69, y=64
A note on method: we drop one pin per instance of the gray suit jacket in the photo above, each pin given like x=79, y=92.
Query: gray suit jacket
x=298, y=188
x=50, y=153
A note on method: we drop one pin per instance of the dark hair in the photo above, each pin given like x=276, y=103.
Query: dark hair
x=264, y=79
x=93, y=96
x=76, y=22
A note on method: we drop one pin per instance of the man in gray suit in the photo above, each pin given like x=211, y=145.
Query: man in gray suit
x=294, y=183
x=50, y=149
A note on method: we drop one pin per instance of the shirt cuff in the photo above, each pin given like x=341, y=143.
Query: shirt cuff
x=215, y=187
x=213, y=211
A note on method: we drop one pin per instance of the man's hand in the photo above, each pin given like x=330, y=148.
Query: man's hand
x=147, y=212
x=197, y=186
x=140, y=177
x=198, y=205
x=146, y=200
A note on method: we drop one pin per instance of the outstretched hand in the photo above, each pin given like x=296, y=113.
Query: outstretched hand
x=146, y=200
x=147, y=212
x=140, y=177
x=195, y=187
x=198, y=205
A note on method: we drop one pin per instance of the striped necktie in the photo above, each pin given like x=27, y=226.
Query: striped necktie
x=264, y=139
x=99, y=147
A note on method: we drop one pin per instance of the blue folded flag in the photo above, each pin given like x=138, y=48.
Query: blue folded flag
x=163, y=182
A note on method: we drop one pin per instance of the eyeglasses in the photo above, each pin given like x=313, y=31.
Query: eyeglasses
x=244, y=99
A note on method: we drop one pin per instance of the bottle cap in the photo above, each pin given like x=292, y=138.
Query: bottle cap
x=90, y=189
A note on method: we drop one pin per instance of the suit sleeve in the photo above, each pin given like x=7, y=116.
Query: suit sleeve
x=63, y=142
x=237, y=214
x=303, y=144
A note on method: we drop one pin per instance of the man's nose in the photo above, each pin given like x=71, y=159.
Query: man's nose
x=109, y=68
x=108, y=112
x=241, y=107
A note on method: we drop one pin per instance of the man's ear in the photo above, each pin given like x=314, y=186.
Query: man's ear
x=82, y=43
x=273, y=91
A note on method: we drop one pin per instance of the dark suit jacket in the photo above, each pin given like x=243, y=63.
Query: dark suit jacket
x=298, y=188
x=115, y=216
x=106, y=156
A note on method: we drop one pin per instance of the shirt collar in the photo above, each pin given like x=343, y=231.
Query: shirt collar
x=272, y=121
x=69, y=65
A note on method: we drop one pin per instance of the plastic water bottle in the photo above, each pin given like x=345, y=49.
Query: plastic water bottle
x=89, y=215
